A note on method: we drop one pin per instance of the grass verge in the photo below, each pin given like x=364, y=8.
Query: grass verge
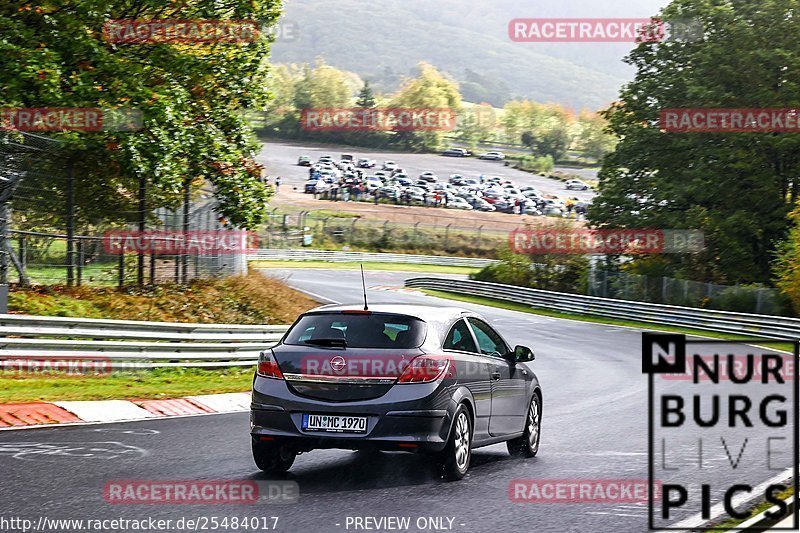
x=328, y=265
x=592, y=318
x=144, y=384
x=250, y=299
x=758, y=509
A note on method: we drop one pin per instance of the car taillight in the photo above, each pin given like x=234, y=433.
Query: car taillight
x=268, y=366
x=425, y=369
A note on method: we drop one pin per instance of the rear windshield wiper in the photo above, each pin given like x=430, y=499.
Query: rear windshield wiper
x=327, y=342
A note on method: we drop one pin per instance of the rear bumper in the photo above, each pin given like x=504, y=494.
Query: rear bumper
x=414, y=417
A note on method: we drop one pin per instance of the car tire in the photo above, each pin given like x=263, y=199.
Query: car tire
x=453, y=461
x=528, y=444
x=271, y=458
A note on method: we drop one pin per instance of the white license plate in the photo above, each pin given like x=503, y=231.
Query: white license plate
x=335, y=423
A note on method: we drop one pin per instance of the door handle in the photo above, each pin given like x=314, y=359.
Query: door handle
x=496, y=375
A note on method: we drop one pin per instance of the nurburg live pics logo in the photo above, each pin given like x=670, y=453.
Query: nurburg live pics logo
x=722, y=431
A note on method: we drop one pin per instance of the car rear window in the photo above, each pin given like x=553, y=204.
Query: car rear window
x=359, y=330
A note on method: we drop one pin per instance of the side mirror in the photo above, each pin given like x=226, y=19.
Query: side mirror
x=523, y=354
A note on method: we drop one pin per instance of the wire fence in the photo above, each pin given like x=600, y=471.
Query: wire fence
x=401, y=232
x=53, y=231
x=687, y=293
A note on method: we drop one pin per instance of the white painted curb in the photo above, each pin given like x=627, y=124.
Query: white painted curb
x=231, y=402
x=105, y=410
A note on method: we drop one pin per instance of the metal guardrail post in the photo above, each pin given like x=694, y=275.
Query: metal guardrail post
x=4, y=216
x=79, y=278
x=70, y=208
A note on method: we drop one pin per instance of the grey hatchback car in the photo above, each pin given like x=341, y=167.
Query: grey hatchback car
x=437, y=380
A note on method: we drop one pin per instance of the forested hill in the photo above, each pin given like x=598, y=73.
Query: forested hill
x=468, y=39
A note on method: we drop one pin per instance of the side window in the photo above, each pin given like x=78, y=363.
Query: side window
x=460, y=339
x=489, y=341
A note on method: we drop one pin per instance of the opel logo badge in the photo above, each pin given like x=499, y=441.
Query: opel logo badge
x=338, y=363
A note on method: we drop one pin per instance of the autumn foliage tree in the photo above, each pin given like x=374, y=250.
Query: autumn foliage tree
x=191, y=95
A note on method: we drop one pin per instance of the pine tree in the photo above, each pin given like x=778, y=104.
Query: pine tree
x=366, y=99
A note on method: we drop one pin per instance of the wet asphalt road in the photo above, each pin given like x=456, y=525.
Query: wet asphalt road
x=594, y=427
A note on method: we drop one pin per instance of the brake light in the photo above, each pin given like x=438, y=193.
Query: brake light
x=268, y=366
x=425, y=369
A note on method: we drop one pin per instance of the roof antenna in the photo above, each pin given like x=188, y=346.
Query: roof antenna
x=364, y=287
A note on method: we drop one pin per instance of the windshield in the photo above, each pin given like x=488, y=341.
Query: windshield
x=362, y=330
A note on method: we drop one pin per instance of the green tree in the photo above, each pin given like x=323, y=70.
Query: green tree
x=430, y=89
x=592, y=140
x=787, y=264
x=281, y=87
x=545, y=129
x=366, y=99
x=554, y=141
x=736, y=187
x=191, y=96
x=476, y=123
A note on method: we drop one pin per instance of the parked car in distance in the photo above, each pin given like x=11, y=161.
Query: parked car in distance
x=373, y=182
x=482, y=205
x=493, y=156
x=457, y=152
x=389, y=191
x=576, y=185
x=304, y=161
x=389, y=165
x=456, y=202
x=416, y=194
x=318, y=186
x=551, y=210
x=310, y=186
x=365, y=162
x=504, y=206
x=428, y=176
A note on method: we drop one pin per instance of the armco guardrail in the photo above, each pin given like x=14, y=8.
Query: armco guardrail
x=277, y=254
x=772, y=327
x=133, y=344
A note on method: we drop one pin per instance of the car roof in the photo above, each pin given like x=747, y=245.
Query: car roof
x=428, y=313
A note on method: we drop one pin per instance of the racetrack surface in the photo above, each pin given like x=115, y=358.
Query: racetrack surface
x=594, y=427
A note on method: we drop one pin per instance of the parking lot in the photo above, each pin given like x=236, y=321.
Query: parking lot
x=280, y=159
